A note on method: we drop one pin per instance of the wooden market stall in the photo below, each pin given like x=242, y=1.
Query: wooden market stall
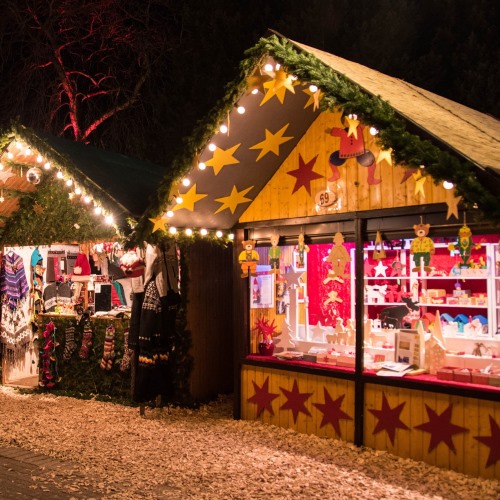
x=363, y=214
x=65, y=211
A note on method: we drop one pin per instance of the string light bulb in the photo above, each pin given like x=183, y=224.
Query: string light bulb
x=241, y=110
x=223, y=129
x=448, y=185
x=203, y=232
x=231, y=236
x=189, y=231
x=373, y=131
x=212, y=147
x=313, y=88
x=186, y=182
x=218, y=234
x=170, y=214
x=179, y=200
x=172, y=230
x=46, y=165
x=202, y=166
x=2, y=199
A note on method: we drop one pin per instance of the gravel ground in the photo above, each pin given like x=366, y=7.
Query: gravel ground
x=205, y=454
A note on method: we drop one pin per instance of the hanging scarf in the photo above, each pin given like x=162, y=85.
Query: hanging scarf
x=13, y=283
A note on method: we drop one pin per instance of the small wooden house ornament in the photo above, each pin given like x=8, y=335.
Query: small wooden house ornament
x=379, y=251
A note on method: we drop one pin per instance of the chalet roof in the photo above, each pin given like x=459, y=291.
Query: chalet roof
x=119, y=185
x=472, y=134
x=454, y=142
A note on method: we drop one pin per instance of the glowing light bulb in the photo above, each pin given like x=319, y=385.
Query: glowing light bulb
x=87, y=199
x=353, y=116
x=189, y=231
x=218, y=234
x=255, y=91
x=172, y=230
x=27, y=152
x=241, y=110
x=448, y=185
x=46, y=165
x=202, y=166
x=69, y=182
x=313, y=88
x=98, y=210
x=203, y=232
x=186, y=182
x=231, y=236
x=170, y=213
x=1, y=166
x=373, y=131
x=39, y=159
x=78, y=191
x=212, y=147
x=179, y=200
x=60, y=175
x=268, y=67
x=109, y=219
x=10, y=155
x=223, y=129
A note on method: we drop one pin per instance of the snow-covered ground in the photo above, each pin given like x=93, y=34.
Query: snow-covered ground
x=180, y=453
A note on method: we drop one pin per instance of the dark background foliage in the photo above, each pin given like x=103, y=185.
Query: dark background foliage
x=162, y=64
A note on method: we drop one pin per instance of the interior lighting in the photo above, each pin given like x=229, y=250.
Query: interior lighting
x=218, y=234
x=189, y=231
x=172, y=230
x=203, y=232
x=231, y=236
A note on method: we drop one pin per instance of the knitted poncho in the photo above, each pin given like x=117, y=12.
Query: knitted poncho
x=13, y=283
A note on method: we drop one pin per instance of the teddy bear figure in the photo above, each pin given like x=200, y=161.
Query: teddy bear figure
x=275, y=253
x=248, y=259
x=422, y=247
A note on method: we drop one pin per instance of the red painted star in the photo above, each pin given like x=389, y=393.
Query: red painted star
x=493, y=442
x=440, y=428
x=296, y=401
x=304, y=174
x=331, y=411
x=368, y=268
x=263, y=398
x=388, y=419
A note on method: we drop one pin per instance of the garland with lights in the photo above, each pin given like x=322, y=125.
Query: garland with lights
x=338, y=92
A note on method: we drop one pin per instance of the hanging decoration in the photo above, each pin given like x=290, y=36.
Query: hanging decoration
x=275, y=253
x=339, y=257
x=248, y=259
x=48, y=357
x=422, y=247
x=452, y=202
x=34, y=175
x=378, y=249
x=465, y=245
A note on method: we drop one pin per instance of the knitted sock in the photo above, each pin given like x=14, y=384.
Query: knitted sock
x=69, y=344
x=127, y=353
x=109, y=349
x=86, y=341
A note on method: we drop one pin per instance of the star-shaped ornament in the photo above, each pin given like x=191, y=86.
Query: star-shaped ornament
x=256, y=81
x=331, y=411
x=380, y=269
x=385, y=154
x=388, y=419
x=368, y=268
x=222, y=158
x=314, y=99
x=272, y=143
x=332, y=298
x=440, y=428
x=5, y=175
x=263, y=398
x=452, y=201
x=296, y=401
x=189, y=199
x=278, y=87
x=158, y=223
x=295, y=278
x=493, y=442
x=353, y=127
x=233, y=200
x=419, y=183
x=318, y=332
x=408, y=172
x=304, y=174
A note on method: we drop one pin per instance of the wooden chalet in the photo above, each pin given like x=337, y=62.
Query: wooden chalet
x=307, y=143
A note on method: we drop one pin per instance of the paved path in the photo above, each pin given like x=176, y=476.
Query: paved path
x=28, y=475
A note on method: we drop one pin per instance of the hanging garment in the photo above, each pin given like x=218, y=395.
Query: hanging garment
x=13, y=283
x=56, y=294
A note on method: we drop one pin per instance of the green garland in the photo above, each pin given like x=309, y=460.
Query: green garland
x=60, y=220
x=409, y=150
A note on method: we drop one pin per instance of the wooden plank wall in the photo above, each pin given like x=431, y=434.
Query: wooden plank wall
x=306, y=383
x=276, y=200
x=209, y=318
x=470, y=456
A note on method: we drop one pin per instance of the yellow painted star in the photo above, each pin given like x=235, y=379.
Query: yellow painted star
x=158, y=223
x=385, y=154
x=272, y=142
x=452, y=201
x=314, y=99
x=233, y=200
x=353, y=127
x=256, y=81
x=278, y=87
x=189, y=199
x=419, y=183
x=222, y=158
